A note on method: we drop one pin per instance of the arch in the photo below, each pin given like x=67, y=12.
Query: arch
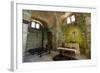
x=41, y=21
x=37, y=22
x=44, y=30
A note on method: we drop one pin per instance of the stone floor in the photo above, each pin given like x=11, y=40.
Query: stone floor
x=45, y=57
x=36, y=58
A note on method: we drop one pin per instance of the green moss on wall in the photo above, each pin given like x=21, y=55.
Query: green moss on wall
x=74, y=34
x=77, y=32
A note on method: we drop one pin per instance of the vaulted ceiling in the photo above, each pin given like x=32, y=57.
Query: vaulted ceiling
x=52, y=18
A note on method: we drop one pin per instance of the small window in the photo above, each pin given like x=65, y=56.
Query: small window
x=68, y=20
x=73, y=18
x=37, y=26
x=33, y=25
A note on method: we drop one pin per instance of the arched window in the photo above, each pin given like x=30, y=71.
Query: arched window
x=71, y=19
x=35, y=24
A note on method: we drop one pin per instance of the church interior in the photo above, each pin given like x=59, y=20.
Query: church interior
x=55, y=36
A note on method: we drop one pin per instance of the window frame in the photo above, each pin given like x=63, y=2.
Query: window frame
x=35, y=25
x=70, y=19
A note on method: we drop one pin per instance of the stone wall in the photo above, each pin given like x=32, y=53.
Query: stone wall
x=34, y=40
x=79, y=32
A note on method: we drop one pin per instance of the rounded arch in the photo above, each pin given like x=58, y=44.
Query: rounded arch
x=37, y=22
x=41, y=21
x=44, y=30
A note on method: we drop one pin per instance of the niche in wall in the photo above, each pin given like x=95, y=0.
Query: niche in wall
x=38, y=34
x=79, y=32
x=73, y=34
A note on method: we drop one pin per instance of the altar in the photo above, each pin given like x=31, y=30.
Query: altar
x=67, y=51
x=70, y=49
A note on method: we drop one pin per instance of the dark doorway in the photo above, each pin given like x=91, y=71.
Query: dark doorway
x=49, y=40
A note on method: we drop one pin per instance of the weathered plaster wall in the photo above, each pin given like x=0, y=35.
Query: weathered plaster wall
x=27, y=17
x=34, y=39
x=79, y=32
x=88, y=32
x=74, y=34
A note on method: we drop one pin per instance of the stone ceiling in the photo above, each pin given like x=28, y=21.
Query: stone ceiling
x=52, y=18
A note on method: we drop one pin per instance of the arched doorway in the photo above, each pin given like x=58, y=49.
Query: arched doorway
x=39, y=35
